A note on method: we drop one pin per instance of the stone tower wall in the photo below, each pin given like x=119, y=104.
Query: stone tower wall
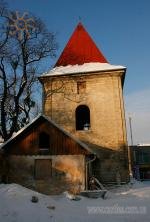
x=103, y=96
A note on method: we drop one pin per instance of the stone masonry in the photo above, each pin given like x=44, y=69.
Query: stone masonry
x=103, y=96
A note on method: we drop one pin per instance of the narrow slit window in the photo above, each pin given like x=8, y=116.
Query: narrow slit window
x=81, y=87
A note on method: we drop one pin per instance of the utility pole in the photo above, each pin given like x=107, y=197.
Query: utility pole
x=130, y=125
x=129, y=153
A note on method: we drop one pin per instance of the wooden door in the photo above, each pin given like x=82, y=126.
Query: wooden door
x=43, y=169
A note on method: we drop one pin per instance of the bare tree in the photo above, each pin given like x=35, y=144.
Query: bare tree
x=24, y=43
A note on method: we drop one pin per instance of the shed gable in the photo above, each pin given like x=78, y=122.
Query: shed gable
x=28, y=141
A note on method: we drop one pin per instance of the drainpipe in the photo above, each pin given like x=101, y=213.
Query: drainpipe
x=86, y=169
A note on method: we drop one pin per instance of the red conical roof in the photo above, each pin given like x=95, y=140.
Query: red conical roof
x=80, y=49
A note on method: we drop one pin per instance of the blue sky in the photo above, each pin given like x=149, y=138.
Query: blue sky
x=121, y=29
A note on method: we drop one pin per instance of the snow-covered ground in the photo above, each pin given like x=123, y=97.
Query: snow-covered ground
x=123, y=204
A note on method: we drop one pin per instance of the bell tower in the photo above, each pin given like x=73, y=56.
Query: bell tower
x=83, y=93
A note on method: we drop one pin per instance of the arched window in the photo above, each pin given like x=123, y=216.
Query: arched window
x=82, y=118
x=44, y=142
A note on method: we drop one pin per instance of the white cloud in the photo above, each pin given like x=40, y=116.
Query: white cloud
x=137, y=105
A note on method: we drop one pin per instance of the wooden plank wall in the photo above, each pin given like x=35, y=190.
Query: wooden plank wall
x=28, y=142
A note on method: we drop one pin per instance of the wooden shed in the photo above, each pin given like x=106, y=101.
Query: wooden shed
x=44, y=157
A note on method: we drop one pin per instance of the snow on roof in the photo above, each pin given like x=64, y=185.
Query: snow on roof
x=85, y=68
x=15, y=134
x=1, y=141
x=143, y=144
